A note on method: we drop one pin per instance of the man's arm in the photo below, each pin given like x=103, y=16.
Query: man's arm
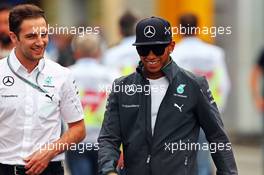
x=211, y=123
x=72, y=113
x=38, y=161
x=73, y=135
x=110, y=138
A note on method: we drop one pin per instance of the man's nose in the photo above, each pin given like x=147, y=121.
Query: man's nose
x=151, y=55
x=40, y=41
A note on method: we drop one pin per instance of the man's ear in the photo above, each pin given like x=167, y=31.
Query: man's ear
x=13, y=37
x=171, y=46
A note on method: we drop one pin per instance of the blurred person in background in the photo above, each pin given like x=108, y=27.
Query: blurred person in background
x=6, y=44
x=92, y=79
x=257, y=91
x=122, y=56
x=206, y=60
x=62, y=43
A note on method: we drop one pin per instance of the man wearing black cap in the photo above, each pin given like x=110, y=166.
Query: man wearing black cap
x=156, y=113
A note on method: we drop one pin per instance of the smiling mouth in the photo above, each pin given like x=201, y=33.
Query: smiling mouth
x=152, y=62
x=37, y=49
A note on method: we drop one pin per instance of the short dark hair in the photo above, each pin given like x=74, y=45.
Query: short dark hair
x=21, y=12
x=190, y=22
x=127, y=24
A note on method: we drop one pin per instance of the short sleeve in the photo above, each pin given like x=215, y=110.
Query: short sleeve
x=70, y=105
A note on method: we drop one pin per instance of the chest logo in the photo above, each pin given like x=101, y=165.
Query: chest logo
x=180, y=88
x=8, y=81
x=48, y=80
x=179, y=107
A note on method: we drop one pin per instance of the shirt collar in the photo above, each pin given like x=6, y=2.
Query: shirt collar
x=16, y=65
x=170, y=70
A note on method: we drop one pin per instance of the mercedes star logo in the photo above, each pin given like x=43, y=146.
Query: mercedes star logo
x=8, y=81
x=149, y=31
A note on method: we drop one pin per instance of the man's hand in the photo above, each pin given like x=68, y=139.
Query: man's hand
x=38, y=161
x=112, y=173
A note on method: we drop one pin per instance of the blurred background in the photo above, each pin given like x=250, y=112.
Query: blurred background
x=242, y=47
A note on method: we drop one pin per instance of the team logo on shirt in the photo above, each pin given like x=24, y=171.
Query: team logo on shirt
x=8, y=81
x=178, y=106
x=48, y=82
x=75, y=87
x=180, y=88
x=180, y=91
x=210, y=96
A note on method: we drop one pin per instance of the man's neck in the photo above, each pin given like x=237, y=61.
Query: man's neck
x=27, y=63
x=154, y=76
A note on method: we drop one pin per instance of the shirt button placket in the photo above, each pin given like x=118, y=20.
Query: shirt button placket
x=29, y=104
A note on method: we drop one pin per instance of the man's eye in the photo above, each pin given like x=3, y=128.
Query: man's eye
x=30, y=36
x=43, y=35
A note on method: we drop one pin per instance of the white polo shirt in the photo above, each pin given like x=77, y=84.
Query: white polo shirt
x=29, y=118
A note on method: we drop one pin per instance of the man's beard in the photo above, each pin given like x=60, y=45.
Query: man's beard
x=5, y=40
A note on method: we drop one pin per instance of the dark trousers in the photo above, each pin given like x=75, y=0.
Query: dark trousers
x=54, y=168
x=82, y=163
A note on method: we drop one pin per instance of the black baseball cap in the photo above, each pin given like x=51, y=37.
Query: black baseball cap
x=153, y=31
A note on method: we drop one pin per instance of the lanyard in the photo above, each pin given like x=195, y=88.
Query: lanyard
x=35, y=86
